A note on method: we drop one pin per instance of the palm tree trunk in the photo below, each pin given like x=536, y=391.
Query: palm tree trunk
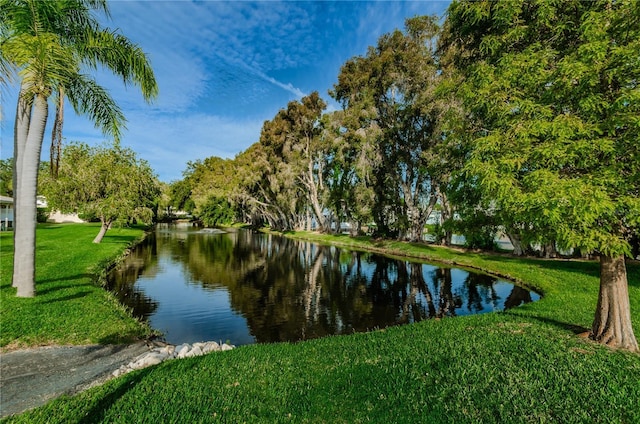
x=20, y=133
x=612, y=323
x=27, y=161
x=56, y=135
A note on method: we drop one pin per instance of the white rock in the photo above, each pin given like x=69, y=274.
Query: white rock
x=168, y=349
x=196, y=351
x=119, y=371
x=163, y=353
x=181, y=350
x=210, y=347
x=154, y=358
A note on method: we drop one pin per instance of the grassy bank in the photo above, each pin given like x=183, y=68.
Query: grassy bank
x=69, y=308
x=525, y=365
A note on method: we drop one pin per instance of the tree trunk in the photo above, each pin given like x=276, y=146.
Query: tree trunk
x=612, y=323
x=27, y=161
x=417, y=216
x=20, y=134
x=416, y=223
x=56, y=135
x=355, y=228
x=314, y=199
x=516, y=242
x=103, y=230
x=549, y=250
x=446, y=215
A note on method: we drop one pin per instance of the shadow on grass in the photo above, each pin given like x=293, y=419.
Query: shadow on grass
x=43, y=226
x=70, y=278
x=49, y=287
x=78, y=295
x=98, y=411
x=574, y=328
x=110, y=239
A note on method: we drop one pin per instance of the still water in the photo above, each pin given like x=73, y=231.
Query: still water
x=245, y=287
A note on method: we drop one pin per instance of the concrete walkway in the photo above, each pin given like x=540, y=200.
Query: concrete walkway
x=31, y=377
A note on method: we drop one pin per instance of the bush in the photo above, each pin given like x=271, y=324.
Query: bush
x=42, y=215
x=217, y=211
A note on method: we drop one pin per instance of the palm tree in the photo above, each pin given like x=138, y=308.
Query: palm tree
x=50, y=43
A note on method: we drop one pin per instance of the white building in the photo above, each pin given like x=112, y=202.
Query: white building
x=6, y=213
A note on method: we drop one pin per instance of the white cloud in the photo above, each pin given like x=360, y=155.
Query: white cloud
x=169, y=142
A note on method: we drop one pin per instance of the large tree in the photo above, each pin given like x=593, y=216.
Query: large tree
x=51, y=44
x=394, y=89
x=110, y=183
x=349, y=169
x=554, y=91
x=282, y=176
x=295, y=140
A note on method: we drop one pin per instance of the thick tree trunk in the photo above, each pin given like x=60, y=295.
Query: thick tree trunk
x=27, y=161
x=417, y=216
x=314, y=199
x=355, y=228
x=416, y=224
x=103, y=230
x=515, y=240
x=612, y=323
x=549, y=250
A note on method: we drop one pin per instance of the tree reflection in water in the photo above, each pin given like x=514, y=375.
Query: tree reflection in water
x=288, y=290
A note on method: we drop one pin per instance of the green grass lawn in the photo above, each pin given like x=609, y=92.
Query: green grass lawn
x=70, y=307
x=524, y=365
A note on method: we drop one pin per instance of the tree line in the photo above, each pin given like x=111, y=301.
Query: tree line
x=519, y=116
x=514, y=115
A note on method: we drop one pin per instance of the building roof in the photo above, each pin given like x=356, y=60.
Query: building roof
x=6, y=200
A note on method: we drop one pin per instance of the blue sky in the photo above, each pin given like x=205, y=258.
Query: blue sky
x=223, y=68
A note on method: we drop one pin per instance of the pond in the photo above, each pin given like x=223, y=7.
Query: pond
x=245, y=287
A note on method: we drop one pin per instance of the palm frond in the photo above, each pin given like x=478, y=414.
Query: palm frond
x=122, y=57
x=89, y=98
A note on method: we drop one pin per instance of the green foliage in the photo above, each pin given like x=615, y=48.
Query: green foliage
x=395, y=114
x=212, y=176
x=6, y=177
x=181, y=196
x=110, y=183
x=217, y=212
x=551, y=88
x=478, y=228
